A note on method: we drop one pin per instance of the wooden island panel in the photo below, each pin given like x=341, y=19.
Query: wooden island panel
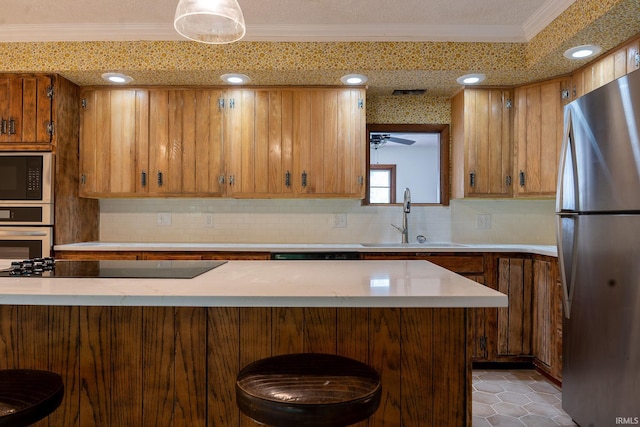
x=176, y=366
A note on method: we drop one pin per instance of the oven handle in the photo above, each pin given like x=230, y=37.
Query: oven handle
x=23, y=233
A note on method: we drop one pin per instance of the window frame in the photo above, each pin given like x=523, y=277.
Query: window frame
x=445, y=144
x=392, y=181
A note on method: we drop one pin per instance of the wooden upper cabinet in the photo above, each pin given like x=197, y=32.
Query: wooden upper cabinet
x=185, y=142
x=114, y=140
x=481, y=126
x=538, y=130
x=633, y=55
x=26, y=109
x=615, y=64
x=241, y=143
x=329, y=143
x=259, y=142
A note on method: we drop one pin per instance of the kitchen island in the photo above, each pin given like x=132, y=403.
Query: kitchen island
x=164, y=352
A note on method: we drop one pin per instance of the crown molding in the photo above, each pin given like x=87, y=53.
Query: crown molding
x=283, y=33
x=549, y=11
x=544, y=16
x=87, y=32
x=387, y=32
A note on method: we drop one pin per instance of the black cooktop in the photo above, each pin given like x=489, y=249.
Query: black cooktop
x=133, y=269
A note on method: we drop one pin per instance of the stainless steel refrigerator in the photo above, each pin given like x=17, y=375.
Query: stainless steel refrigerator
x=598, y=217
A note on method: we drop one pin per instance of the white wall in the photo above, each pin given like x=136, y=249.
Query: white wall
x=310, y=221
x=419, y=164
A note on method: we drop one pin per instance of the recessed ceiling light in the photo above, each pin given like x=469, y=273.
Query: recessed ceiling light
x=471, y=79
x=353, y=79
x=582, y=52
x=235, y=79
x=117, y=78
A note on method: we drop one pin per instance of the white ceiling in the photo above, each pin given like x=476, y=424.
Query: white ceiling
x=286, y=20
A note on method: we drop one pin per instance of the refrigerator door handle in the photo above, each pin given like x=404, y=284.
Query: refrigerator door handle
x=567, y=236
x=567, y=191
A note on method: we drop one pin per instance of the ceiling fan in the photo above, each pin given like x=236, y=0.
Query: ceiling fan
x=377, y=140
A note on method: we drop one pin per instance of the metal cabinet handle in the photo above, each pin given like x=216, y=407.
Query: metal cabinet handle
x=221, y=179
x=360, y=180
x=287, y=179
x=304, y=179
x=83, y=179
x=508, y=181
x=23, y=233
x=232, y=179
x=3, y=127
x=472, y=179
x=12, y=127
x=143, y=178
x=160, y=180
x=522, y=179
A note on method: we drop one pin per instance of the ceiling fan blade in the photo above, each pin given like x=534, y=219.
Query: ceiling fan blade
x=401, y=140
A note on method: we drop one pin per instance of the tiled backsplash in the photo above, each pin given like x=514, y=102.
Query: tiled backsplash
x=312, y=221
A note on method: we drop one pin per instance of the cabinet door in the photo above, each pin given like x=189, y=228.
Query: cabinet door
x=113, y=142
x=204, y=174
x=538, y=133
x=633, y=55
x=478, y=327
x=25, y=109
x=547, y=317
x=482, y=143
x=185, y=142
x=329, y=143
x=515, y=321
x=10, y=107
x=259, y=141
x=543, y=287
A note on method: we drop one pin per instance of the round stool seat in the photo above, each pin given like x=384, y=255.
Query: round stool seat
x=308, y=390
x=28, y=395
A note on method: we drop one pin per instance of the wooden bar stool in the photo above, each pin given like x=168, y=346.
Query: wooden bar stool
x=308, y=390
x=28, y=395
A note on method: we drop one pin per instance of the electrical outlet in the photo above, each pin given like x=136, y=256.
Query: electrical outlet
x=483, y=221
x=163, y=218
x=339, y=220
x=208, y=220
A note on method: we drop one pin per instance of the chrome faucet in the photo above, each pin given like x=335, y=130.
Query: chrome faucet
x=406, y=209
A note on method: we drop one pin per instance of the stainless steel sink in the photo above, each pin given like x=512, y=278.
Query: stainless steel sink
x=427, y=245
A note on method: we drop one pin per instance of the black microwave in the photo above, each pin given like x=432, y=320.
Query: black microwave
x=26, y=177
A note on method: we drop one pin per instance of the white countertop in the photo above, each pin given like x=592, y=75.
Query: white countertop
x=549, y=250
x=269, y=284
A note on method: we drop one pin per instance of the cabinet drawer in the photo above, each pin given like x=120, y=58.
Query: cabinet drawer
x=459, y=264
x=462, y=264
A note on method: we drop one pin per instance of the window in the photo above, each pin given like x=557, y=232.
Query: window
x=382, y=184
x=419, y=155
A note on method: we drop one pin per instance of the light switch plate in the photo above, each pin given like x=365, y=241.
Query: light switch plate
x=483, y=221
x=208, y=220
x=339, y=221
x=163, y=218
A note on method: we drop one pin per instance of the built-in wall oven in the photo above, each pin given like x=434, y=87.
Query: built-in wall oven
x=26, y=204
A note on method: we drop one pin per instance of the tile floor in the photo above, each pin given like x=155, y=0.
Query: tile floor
x=516, y=398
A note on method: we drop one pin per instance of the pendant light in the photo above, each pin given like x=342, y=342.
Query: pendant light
x=210, y=21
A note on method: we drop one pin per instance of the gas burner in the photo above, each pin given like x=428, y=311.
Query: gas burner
x=32, y=267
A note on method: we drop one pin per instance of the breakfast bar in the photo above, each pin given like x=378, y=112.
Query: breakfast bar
x=164, y=352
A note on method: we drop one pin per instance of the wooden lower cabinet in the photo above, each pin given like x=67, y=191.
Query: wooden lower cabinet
x=547, y=316
x=176, y=366
x=515, y=321
x=481, y=321
x=529, y=330
x=160, y=255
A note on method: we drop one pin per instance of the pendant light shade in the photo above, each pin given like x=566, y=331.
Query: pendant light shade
x=210, y=21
